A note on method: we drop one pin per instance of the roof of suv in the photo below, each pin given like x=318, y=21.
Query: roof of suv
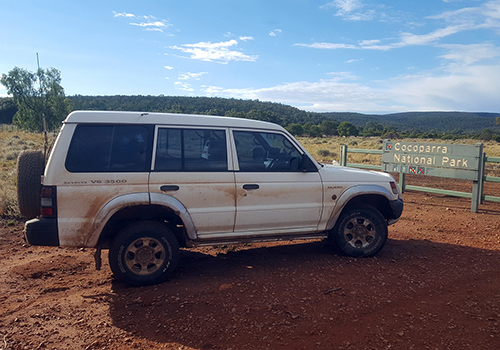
x=116, y=117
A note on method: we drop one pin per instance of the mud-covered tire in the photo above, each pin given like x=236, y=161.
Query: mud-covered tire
x=144, y=253
x=30, y=167
x=360, y=232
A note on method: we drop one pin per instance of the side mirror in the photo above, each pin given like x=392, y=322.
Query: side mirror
x=294, y=164
x=305, y=163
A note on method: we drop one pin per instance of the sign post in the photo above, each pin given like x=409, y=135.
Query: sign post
x=435, y=159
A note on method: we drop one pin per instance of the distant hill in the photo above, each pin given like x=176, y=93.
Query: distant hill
x=253, y=109
x=439, y=122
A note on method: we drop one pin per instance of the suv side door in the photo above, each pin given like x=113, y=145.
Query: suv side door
x=275, y=194
x=191, y=164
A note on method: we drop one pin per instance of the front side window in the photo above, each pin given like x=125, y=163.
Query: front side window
x=260, y=151
x=191, y=150
x=109, y=148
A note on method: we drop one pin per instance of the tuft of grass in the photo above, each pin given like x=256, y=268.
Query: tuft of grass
x=324, y=153
x=11, y=155
x=8, y=200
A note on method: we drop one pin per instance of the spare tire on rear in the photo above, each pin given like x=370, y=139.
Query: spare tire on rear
x=30, y=167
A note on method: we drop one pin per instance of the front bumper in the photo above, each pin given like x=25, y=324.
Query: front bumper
x=42, y=231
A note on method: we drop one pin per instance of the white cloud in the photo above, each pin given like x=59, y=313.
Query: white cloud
x=333, y=94
x=123, y=14
x=189, y=76
x=149, y=23
x=168, y=67
x=408, y=39
x=344, y=6
x=484, y=16
x=352, y=10
x=215, y=52
x=158, y=26
x=328, y=46
x=362, y=16
x=369, y=42
x=459, y=20
x=454, y=87
x=466, y=88
x=492, y=9
x=246, y=38
x=242, y=38
x=469, y=54
x=275, y=32
x=183, y=86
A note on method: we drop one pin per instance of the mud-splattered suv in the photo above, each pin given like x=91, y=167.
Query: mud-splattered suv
x=144, y=184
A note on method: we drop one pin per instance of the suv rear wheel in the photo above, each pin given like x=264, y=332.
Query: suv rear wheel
x=144, y=253
x=30, y=166
x=360, y=232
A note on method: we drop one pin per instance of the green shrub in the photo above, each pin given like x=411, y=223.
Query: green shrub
x=324, y=153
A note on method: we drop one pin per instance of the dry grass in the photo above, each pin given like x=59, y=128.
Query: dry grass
x=318, y=145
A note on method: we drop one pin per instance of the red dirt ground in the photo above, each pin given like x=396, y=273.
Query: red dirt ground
x=435, y=285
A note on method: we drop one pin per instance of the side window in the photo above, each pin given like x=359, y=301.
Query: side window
x=169, y=150
x=109, y=148
x=259, y=151
x=191, y=150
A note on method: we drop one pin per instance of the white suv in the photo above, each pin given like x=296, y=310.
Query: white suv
x=145, y=184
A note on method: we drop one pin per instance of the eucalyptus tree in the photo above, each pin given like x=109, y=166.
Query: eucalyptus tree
x=38, y=96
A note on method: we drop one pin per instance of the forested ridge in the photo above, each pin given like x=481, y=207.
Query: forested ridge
x=423, y=122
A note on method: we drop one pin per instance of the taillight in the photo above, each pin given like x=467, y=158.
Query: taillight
x=394, y=187
x=48, y=201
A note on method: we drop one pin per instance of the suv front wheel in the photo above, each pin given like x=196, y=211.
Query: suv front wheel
x=144, y=253
x=360, y=232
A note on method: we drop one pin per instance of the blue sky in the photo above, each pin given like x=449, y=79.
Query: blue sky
x=368, y=56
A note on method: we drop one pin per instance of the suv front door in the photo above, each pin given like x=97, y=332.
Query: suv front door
x=274, y=193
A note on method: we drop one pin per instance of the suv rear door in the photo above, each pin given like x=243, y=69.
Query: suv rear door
x=191, y=165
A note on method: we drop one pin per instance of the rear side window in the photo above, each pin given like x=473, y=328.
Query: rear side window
x=191, y=150
x=110, y=148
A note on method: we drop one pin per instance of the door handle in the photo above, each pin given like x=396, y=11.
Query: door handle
x=165, y=188
x=250, y=187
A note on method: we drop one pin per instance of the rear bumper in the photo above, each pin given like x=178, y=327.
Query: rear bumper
x=396, y=209
x=42, y=231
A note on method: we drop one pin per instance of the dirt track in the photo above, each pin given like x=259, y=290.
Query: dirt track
x=436, y=285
